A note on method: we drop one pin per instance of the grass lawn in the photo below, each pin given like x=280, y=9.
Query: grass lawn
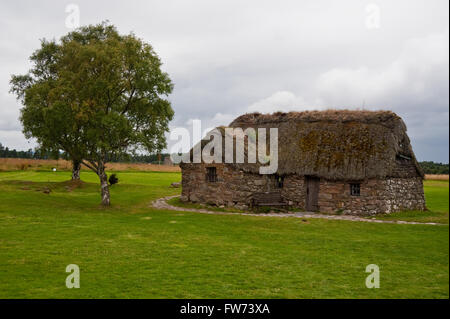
x=133, y=251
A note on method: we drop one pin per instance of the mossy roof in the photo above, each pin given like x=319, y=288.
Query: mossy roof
x=335, y=144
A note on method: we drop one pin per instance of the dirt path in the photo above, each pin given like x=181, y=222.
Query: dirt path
x=161, y=203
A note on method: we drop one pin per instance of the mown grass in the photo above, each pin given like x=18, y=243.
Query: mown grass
x=133, y=251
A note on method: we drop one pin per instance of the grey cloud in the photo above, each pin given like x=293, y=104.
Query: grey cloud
x=228, y=57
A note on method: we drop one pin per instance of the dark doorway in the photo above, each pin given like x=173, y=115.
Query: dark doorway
x=312, y=193
x=279, y=180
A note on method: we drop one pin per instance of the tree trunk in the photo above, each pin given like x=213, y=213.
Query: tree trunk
x=104, y=184
x=76, y=167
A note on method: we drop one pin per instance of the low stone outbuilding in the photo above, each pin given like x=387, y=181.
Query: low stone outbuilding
x=343, y=162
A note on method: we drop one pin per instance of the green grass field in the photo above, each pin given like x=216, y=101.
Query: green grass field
x=133, y=251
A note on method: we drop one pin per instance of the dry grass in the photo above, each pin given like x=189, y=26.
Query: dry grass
x=142, y=167
x=438, y=177
x=21, y=164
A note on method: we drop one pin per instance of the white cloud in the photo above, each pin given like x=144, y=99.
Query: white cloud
x=221, y=119
x=420, y=69
x=15, y=139
x=284, y=101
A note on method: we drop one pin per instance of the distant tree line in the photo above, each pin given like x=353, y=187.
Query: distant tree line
x=434, y=168
x=5, y=152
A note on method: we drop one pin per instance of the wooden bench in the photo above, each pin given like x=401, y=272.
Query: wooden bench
x=271, y=199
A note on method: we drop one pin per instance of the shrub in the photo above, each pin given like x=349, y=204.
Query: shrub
x=113, y=179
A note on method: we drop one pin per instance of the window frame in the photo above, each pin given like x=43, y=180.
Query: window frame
x=211, y=174
x=355, y=189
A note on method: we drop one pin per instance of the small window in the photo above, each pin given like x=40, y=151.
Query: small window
x=355, y=189
x=211, y=174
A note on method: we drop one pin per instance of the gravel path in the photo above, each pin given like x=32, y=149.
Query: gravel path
x=161, y=203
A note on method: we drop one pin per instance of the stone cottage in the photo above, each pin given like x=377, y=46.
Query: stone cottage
x=334, y=161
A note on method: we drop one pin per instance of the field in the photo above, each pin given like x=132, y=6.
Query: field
x=23, y=164
x=133, y=251
x=437, y=177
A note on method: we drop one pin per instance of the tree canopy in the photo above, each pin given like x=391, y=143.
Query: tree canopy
x=95, y=95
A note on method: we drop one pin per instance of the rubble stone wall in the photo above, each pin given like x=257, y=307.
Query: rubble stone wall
x=235, y=188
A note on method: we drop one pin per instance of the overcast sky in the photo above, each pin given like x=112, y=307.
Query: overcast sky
x=231, y=57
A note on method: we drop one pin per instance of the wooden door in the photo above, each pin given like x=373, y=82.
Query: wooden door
x=312, y=194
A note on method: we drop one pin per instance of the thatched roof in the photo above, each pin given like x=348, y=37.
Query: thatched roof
x=337, y=144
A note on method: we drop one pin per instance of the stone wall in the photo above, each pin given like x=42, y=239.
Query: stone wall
x=235, y=188
x=294, y=190
x=377, y=196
